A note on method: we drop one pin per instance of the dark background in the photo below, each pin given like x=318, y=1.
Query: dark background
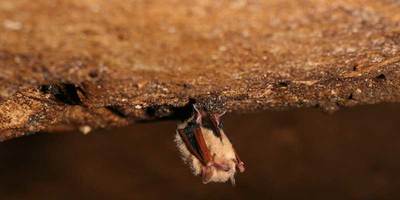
x=298, y=154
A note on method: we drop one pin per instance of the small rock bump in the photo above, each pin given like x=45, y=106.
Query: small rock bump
x=12, y=25
x=85, y=129
x=138, y=107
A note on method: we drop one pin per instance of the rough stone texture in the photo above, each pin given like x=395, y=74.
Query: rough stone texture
x=127, y=60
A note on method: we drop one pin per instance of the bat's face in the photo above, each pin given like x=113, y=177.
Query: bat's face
x=205, y=147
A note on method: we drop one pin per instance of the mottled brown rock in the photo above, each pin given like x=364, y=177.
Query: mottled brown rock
x=130, y=60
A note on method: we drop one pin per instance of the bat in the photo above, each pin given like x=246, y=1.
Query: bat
x=206, y=149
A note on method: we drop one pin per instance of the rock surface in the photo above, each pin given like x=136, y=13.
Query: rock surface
x=96, y=64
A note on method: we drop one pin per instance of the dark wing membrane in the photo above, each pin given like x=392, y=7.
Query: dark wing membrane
x=188, y=136
x=210, y=123
x=194, y=141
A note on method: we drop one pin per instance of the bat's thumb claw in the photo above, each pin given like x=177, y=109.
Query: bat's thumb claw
x=241, y=167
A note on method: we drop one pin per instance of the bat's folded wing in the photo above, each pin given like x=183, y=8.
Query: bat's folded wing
x=195, y=143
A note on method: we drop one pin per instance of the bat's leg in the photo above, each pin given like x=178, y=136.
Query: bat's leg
x=198, y=115
x=219, y=115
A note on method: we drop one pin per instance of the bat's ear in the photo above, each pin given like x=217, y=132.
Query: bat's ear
x=232, y=179
x=206, y=174
x=218, y=116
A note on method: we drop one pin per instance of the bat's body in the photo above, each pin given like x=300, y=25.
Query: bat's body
x=205, y=147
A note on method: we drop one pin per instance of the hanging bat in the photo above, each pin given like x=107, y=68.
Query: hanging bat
x=206, y=149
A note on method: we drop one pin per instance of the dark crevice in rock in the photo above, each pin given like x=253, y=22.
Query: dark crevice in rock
x=169, y=112
x=350, y=97
x=381, y=77
x=355, y=68
x=66, y=93
x=117, y=110
x=282, y=84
